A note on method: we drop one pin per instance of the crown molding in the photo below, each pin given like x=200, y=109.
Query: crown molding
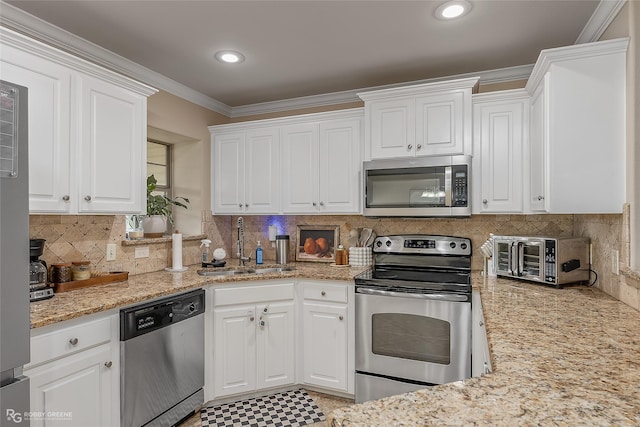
x=31, y=26
x=605, y=13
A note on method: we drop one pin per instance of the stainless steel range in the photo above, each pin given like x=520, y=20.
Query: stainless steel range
x=413, y=315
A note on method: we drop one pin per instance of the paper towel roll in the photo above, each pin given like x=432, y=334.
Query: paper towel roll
x=176, y=243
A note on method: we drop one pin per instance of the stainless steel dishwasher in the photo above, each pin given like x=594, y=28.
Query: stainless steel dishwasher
x=162, y=360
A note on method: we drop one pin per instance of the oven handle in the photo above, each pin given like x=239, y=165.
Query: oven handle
x=439, y=297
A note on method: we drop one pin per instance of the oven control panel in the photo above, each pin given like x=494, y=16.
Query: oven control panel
x=423, y=244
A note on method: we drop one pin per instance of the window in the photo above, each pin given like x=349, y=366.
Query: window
x=159, y=164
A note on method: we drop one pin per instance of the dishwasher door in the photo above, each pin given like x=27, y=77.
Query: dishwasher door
x=162, y=371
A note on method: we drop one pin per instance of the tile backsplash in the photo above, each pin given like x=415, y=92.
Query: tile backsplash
x=74, y=237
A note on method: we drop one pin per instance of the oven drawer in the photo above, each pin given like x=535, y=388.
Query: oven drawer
x=325, y=292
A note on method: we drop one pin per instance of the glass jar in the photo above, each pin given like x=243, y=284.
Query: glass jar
x=81, y=270
x=61, y=273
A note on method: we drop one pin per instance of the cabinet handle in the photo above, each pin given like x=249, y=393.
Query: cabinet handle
x=486, y=368
x=484, y=201
x=262, y=323
x=341, y=317
x=419, y=147
x=266, y=308
x=481, y=323
x=409, y=147
x=108, y=364
x=87, y=198
x=73, y=341
x=540, y=197
x=323, y=293
x=66, y=197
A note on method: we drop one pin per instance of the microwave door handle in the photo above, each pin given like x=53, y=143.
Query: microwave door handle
x=447, y=186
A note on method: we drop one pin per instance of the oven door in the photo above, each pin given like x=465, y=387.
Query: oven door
x=416, y=337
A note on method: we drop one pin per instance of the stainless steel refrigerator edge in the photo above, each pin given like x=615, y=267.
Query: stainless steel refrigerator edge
x=14, y=255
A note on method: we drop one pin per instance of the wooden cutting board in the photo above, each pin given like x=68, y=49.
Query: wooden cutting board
x=97, y=279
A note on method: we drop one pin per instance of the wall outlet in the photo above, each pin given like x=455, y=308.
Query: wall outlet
x=111, y=251
x=615, y=262
x=141, y=252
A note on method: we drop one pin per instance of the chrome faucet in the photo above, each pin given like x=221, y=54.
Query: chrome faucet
x=241, y=258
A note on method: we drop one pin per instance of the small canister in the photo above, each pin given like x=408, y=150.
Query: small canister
x=341, y=255
x=60, y=273
x=81, y=270
x=282, y=248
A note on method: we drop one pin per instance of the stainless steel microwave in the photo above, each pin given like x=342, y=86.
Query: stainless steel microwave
x=417, y=187
x=554, y=261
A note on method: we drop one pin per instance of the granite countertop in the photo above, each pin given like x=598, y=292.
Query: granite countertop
x=142, y=287
x=562, y=357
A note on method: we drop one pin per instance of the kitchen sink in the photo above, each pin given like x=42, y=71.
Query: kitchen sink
x=238, y=271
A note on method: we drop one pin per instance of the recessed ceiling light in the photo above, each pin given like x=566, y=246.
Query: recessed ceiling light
x=229, y=56
x=453, y=9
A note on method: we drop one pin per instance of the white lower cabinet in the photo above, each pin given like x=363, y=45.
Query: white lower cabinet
x=253, y=338
x=327, y=326
x=74, y=374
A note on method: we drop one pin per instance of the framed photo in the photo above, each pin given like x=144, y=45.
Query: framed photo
x=317, y=242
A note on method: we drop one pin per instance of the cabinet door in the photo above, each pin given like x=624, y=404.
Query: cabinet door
x=537, y=150
x=48, y=87
x=228, y=173
x=111, y=148
x=325, y=345
x=440, y=124
x=300, y=169
x=77, y=389
x=262, y=166
x=275, y=345
x=392, y=128
x=499, y=137
x=340, y=166
x=234, y=365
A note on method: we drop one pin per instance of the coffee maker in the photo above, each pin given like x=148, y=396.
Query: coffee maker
x=38, y=286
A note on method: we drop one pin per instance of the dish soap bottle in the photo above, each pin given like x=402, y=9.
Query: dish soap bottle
x=206, y=256
x=259, y=253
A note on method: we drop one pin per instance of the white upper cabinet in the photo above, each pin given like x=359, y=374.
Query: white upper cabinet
x=429, y=119
x=577, y=145
x=245, y=171
x=500, y=122
x=300, y=164
x=87, y=130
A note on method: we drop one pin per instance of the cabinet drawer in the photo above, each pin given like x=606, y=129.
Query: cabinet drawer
x=69, y=340
x=325, y=292
x=253, y=294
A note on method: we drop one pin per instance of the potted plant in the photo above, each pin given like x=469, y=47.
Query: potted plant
x=159, y=210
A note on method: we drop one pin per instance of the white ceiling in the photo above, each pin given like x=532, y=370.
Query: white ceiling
x=303, y=48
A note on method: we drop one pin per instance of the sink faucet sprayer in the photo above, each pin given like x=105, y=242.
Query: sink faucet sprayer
x=240, y=252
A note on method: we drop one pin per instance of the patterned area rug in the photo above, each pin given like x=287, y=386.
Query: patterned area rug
x=289, y=409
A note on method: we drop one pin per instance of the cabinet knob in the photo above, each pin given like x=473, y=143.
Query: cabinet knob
x=341, y=317
x=314, y=204
x=484, y=201
x=323, y=293
x=108, y=364
x=262, y=323
x=87, y=198
x=73, y=341
x=321, y=203
x=419, y=147
x=266, y=308
x=540, y=197
x=409, y=147
x=66, y=197
x=481, y=323
x=251, y=319
x=240, y=205
x=246, y=205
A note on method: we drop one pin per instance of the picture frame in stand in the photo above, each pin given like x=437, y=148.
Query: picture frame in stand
x=317, y=243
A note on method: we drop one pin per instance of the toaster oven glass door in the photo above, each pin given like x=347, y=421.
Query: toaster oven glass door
x=521, y=258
